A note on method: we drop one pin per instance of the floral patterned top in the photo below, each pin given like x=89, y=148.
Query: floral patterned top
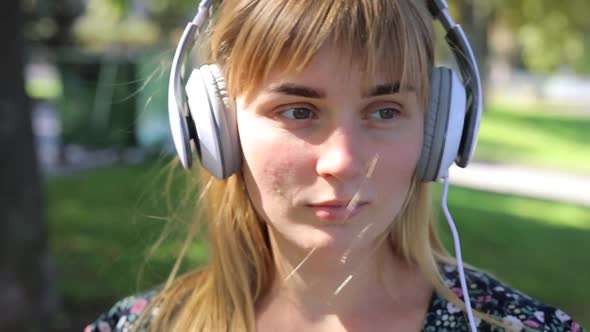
x=487, y=295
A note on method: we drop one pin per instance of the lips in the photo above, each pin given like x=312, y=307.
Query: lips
x=337, y=210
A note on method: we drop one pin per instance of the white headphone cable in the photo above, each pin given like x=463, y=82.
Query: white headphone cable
x=458, y=254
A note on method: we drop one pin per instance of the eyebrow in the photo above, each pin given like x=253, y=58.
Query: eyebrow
x=297, y=90
x=308, y=92
x=384, y=89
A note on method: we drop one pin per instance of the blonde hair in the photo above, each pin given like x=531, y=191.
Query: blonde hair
x=394, y=37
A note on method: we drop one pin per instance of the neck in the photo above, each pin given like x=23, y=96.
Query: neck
x=320, y=281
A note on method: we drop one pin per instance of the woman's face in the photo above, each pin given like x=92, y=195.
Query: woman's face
x=326, y=157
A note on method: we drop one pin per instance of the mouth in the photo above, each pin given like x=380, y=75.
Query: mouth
x=337, y=210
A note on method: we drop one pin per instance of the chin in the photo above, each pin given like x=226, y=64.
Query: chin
x=332, y=240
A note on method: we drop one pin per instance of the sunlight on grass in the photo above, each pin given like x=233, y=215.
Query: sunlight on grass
x=519, y=136
x=526, y=138
x=546, y=212
x=550, y=214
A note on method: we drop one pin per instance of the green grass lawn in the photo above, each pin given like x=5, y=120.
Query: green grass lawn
x=103, y=222
x=535, y=136
x=539, y=247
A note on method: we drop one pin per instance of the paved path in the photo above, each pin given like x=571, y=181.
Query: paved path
x=545, y=184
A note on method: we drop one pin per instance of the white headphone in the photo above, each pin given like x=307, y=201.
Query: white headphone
x=199, y=111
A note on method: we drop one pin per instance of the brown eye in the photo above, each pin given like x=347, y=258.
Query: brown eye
x=298, y=113
x=385, y=114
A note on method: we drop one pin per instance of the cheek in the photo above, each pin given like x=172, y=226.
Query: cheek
x=275, y=167
x=270, y=175
x=395, y=173
x=273, y=176
x=394, y=176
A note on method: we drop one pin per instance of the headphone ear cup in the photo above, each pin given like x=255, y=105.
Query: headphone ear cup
x=214, y=121
x=432, y=128
x=443, y=124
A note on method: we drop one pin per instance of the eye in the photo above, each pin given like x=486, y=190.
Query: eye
x=387, y=113
x=297, y=113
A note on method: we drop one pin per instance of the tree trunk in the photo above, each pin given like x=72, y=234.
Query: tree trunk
x=27, y=294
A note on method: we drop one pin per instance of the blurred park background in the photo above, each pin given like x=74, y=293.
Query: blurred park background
x=85, y=189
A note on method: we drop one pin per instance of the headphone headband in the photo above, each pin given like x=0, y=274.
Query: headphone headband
x=459, y=45
x=437, y=6
x=178, y=112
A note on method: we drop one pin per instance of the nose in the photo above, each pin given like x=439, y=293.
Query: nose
x=341, y=154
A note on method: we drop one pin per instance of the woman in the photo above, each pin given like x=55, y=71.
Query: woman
x=326, y=227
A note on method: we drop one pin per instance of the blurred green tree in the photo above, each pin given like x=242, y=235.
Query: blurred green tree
x=549, y=34
x=552, y=33
x=50, y=22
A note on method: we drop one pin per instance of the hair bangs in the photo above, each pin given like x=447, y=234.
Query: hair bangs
x=385, y=38
x=398, y=44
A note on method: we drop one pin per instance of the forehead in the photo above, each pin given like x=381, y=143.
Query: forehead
x=328, y=68
x=334, y=62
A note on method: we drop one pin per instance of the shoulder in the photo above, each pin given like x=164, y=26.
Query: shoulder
x=498, y=300
x=124, y=315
